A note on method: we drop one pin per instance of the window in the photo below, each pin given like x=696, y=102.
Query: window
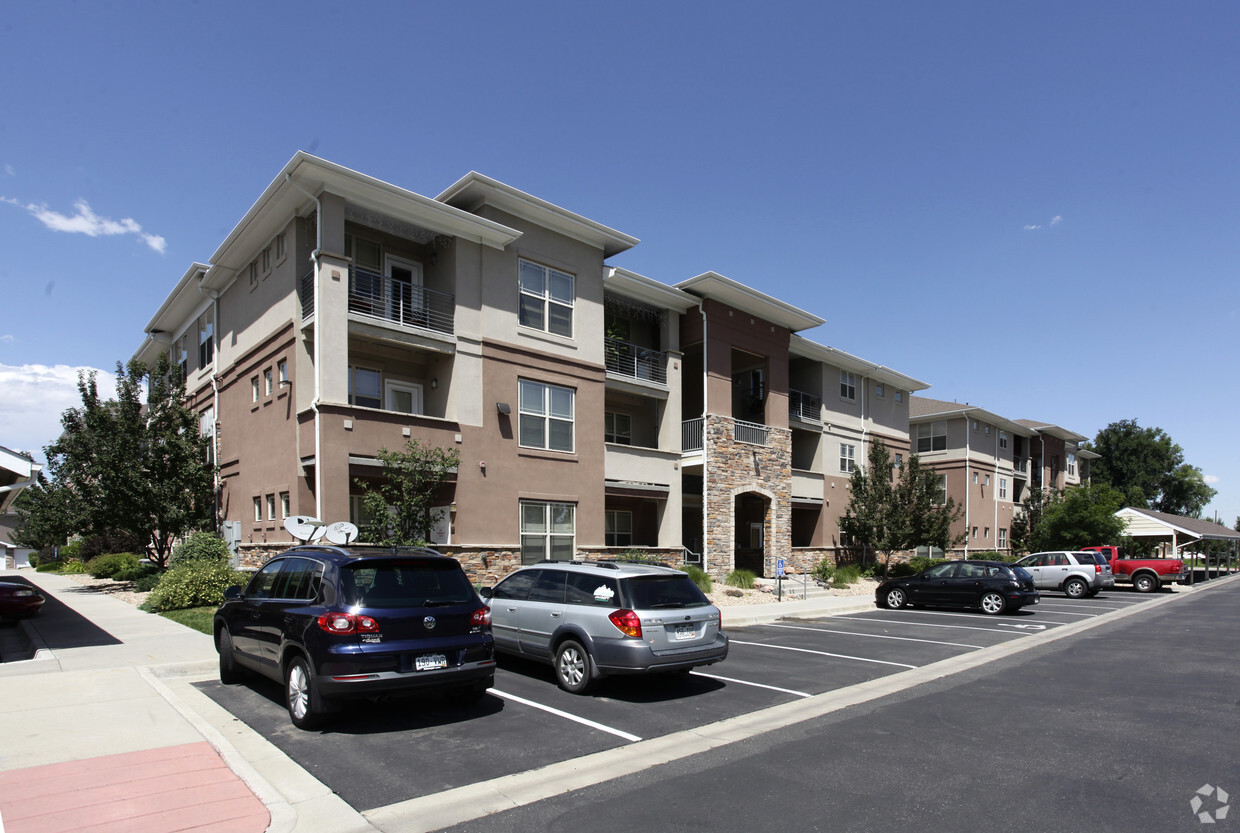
x=974, y=478
x=848, y=457
x=896, y=465
x=975, y=425
x=619, y=528
x=1071, y=465
x=618, y=428
x=364, y=389
x=931, y=437
x=366, y=254
x=271, y=507
x=258, y=509
x=403, y=397
x=281, y=246
x=880, y=390
x=206, y=340
x=284, y=505
x=266, y=259
x=206, y=427
x=848, y=385
x=546, y=413
x=899, y=396
x=282, y=371
x=1002, y=538
x=987, y=483
x=180, y=355
x=1003, y=439
x=974, y=533
x=267, y=382
x=1003, y=488
x=548, y=531
x=546, y=299
x=986, y=430
x=986, y=533
x=254, y=389
x=942, y=496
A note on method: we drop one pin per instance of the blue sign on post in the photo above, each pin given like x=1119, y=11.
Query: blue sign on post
x=779, y=566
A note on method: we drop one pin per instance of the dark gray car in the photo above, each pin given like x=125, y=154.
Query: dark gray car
x=591, y=619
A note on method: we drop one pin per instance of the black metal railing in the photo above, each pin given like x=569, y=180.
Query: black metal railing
x=635, y=362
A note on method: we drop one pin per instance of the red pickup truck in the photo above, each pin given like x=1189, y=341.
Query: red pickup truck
x=1145, y=574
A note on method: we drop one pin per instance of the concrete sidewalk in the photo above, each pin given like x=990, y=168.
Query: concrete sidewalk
x=104, y=729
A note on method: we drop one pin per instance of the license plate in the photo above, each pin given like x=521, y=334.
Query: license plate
x=685, y=631
x=429, y=662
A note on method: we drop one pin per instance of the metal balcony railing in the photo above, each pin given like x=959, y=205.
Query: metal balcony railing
x=751, y=433
x=691, y=435
x=400, y=302
x=804, y=406
x=635, y=362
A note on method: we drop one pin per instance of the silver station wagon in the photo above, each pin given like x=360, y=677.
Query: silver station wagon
x=592, y=619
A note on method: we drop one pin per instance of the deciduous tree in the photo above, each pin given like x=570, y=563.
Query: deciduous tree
x=396, y=508
x=1149, y=469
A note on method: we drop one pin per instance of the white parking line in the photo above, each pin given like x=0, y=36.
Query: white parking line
x=565, y=715
x=820, y=653
x=1050, y=612
x=1045, y=605
x=743, y=682
x=924, y=624
x=877, y=636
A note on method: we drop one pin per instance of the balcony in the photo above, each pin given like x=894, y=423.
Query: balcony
x=750, y=433
x=804, y=407
x=372, y=295
x=1020, y=465
x=691, y=434
x=635, y=362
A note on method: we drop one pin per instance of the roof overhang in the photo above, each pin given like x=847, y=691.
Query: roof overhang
x=972, y=412
x=17, y=471
x=180, y=306
x=294, y=190
x=632, y=285
x=1195, y=528
x=803, y=347
x=1056, y=431
x=474, y=190
x=747, y=299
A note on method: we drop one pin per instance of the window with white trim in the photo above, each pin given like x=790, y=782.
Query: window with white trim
x=1003, y=488
x=619, y=528
x=548, y=531
x=271, y=507
x=1071, y=465
x=899, y=396
x=254, y=389
x=931, y=436
x=180, y=355
x=848, y=385
x=364, y=388
x=941, y=498
x=617, y=428
x=282, y=371
x=206, y=339
x=880, y=390
x=206, y=427
x=268, y=382
x=546, y=415
x=848, y=457
x=284, y=505
x=546, y=299
x=986, y=533
x=258, y=508
x=1002, y=538
x=403, y=397
x=974, y=533
x=1003, y=439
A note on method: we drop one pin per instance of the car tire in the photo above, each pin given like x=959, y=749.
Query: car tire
x=1145, y=583
x=230, y=672
x=467, y=695
x=896, y=598
x=307, y=709
x=574, y=670
x=992, y=603
x=1074, y=588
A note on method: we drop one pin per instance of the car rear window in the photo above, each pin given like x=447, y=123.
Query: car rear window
x=393, y=584
x=1021, y=573
x=649, y=592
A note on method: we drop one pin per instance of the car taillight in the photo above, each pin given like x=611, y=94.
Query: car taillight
x=346, y=623
x=480, y=618
x=1098, y=569
x=627, y=622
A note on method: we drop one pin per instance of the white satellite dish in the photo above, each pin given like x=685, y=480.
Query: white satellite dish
x=305, y=528
x=341, y=532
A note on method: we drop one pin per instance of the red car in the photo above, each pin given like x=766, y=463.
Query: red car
x=18, y=599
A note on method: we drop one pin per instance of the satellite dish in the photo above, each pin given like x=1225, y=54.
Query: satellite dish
x=305, y=528
x=341, y=532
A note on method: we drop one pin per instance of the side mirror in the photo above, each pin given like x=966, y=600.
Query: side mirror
x=484, y=592
x=232, y=593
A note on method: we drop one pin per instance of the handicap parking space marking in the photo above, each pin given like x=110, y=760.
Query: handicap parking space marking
x=1028, y=626
x=820, y=653
x=877, y=636
x=566, y=715
x=748, y=683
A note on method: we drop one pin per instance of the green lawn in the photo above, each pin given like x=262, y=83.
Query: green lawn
x=198, y=618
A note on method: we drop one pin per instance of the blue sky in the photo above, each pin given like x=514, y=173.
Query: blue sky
x=1033, y=207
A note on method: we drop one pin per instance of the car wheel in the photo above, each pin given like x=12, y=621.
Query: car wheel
x=574, y=670
x=306, y=708
x=896, y=598
x=230, y=672
x=1075, y=588
x=993, y=603
x=467, y=695
x=1145, y=583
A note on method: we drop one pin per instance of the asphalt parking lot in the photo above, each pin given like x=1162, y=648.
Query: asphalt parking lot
x=374, y=755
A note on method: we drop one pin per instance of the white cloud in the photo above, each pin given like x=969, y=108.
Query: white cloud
x=87, y=222
x=8, y=338
x=1054, y=221
x=1212, y=479
x=32, y=398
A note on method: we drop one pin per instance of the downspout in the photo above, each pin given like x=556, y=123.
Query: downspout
x=318, y=340
x=215, y=401
x=968, y=487
x=705, y=468
x=994, y=488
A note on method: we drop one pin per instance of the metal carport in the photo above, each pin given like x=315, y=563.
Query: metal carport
x=1178, y=531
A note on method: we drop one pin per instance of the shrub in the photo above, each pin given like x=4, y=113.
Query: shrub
x=148, y=582
x=34, y=560
x=196, y=583
x=700, y=577
x=75, y=567
x=823, y=571
x=993, y=555
x=141, y=570
x=71, y=550
x=845, y=576
x=107, y=566
x=901, y=569
x=50, y=567
x=743, y=579
x=205, y=546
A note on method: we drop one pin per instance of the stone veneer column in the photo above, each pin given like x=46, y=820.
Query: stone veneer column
x=733, y=468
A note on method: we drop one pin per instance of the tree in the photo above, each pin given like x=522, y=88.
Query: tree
x=1149, y=469
x=124, y=470
x=1026, y=529
x=891, y=517
x=44, y=515
x=396, y=509
x=1081, y=516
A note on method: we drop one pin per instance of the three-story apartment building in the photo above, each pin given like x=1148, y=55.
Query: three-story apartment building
x=593, y=409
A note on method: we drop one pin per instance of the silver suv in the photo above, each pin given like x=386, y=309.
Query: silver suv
x=591, y=619
x=1077, y=574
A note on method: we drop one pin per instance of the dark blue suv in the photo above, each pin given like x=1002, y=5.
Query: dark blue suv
x=332, y=623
